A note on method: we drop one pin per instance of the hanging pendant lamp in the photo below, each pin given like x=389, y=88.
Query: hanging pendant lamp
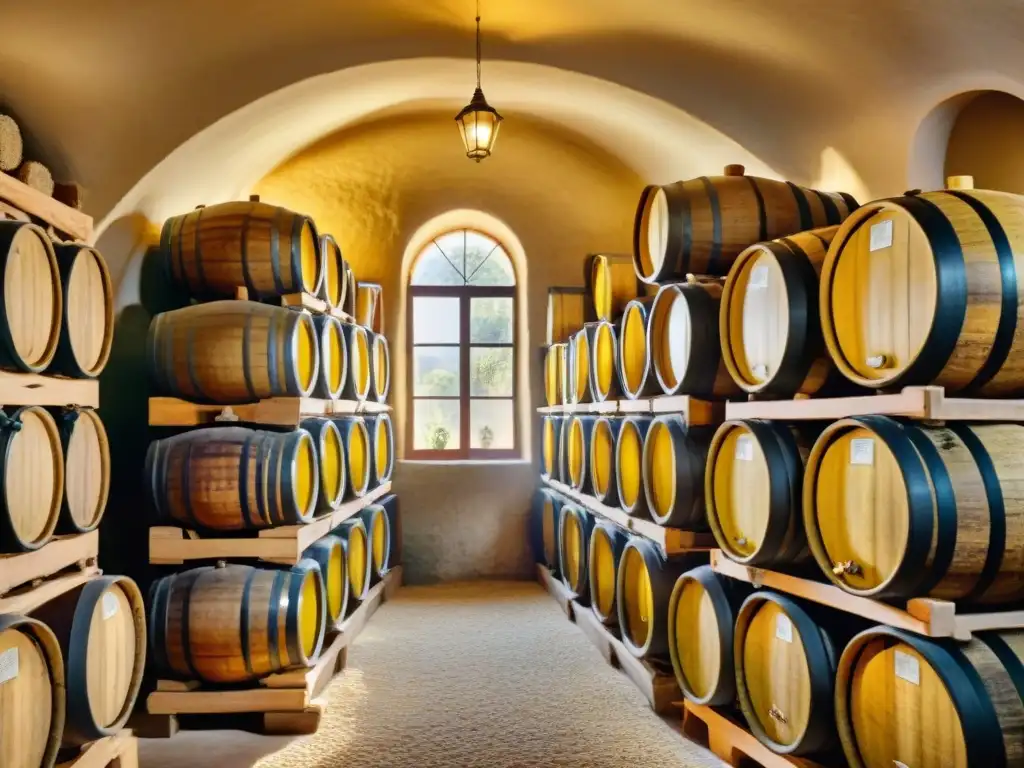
x=478, y=121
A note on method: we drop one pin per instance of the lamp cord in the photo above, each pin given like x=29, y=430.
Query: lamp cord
x=477, y=43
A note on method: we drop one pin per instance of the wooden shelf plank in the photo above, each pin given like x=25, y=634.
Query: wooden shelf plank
x=556, y=589
x=275, y=411
x=36, y=389
x=27, y=600
x=694, y=410
x=59, y=553
x=122, y=749
x=62, y=217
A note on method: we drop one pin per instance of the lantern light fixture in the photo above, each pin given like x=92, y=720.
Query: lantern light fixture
x=478, y=121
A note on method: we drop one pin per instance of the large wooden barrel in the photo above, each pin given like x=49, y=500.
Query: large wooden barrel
x=785, y=672
x=629, y=464
x=330, y=554
x=607, y=541
x=752, y=491
x=896, y=510
x=567, y=311
x=683, y=342
x=380, y=367
x=86, y=450
x=33, y=301
x=701, y=615
x=236, y=623
x=333, y=371
x=636, y=377
x=577, y=377
x=674, y=460
x=700, y=226
x=547, y=510
x=924, y=289
x=32, y=707
x=87, y=322
x=358, y=454
x=555, y=368
x=902, y=699
x=270, y=251
x=32, y=472
x=378, y=532
x=358, y=379
x=382, y=448
x=333, y=286
x=769, y=324
x=233, y=352
x=611, y=283
x=232, y=478
x=603, y=348
x=360, y=558
x=330, y=458
x=603, y=480
x=575, y=525
x=101, y=628
x=370, y=306
x=581, y=428
x=551, y=438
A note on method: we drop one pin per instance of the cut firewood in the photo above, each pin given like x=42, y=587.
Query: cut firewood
x=37, y=176
x=11, y=145
x=71, y=194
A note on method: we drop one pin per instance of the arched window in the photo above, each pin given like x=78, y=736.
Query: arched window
x=462, y=321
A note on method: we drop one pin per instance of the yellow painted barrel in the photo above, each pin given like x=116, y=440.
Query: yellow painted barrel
x=607, y=542
x=382, y=448
x=380, y=367
x=378, y=533
x=611, y=282
x=603, y=482
x=329, y=554
x=629, y=464
x=578, y=359
x=358, y=379
x=551, y=438
x=575, y=525
x=603, y=348
x=359, y=558
x=358, y=454
x=566, y=313
x=544, y=529
x=636, y=376
x=674, y=459
x=581, y=428
x=330, y=455
x=332, y=286
x=555, y=369
x=330, y=379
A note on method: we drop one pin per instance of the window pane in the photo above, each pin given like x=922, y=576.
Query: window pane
x=435, y=424
x=435, y=371
x=490, y=320
x=491, y=424
x=432, y=268
x=453, y=245
x=490, y=371
x=486, y=262
x=435, y=320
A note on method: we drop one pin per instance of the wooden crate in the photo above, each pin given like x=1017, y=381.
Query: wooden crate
x=35, y=389
x=118, y=751
x=30, y=568
x=275, y=411
x=62, y=217
x=693, y=410
x=169, y=545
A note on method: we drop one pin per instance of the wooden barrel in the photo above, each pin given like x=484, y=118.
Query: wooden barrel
x=333, y=371
x=566, y=313
x=101, y=628
x=270, y=251
x=769, y=324
x=232, y=478
x=378, y=531
x=896, y=510
x=574, y=528
x=578, y=375
x=546, y=516
x=380, y=368
x=358, y=380
x=924, y=289
x=701, y=615
x=86, y=450
x=551, y=438
x=580, y=429
x=329, y=554
x=643, y=586
x=236, y=623
x=603, y=348
x=330, y=458
x=392, y=510
x=555, y=367
x=603, y=480
x=33, y=705
x=902, y=699
x=370, y=306
x=683, y=342
x=606, y=544
x=611, y=283
x=358, y=454
x=752, y=492
x=636, y=378
x=87, y=321
x=629, y=464
x=382, y=448
x=233, y=352
x=30, y=326
x=674, y=459
x=349, y=307
x=360, y=558
x=700, y=226
x=333, y=286
x=32, y=469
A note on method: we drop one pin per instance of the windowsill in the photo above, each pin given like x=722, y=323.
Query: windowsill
x=466, y=462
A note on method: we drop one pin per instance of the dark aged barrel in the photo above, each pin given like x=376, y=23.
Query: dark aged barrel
x=378, y=532
x=32, y=474
x=382, y=448
x=603, y=347
x=87, y=322
x=555, y=367
x=358, y=379
x=566, y=313
x=674, y=459
x=607, y=542
x=603, y=480
x=30, y=322
x=380, y=367
x=332, y=286
x=360, y=558
x=83, y=439
x=547, y=507
x=611, y=283
x=358, y=455
x=581, y=428
x=329, y=554
x=333, y=371
x=235, y=623
x=575, y=525
x=330, y=457
x=699, y=226
x=551, y=436
x=233, y=352
x=629, y=464
x=636, y=375
x=270, y=251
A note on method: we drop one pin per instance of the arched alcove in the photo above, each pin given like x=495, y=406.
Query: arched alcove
x=986, y=142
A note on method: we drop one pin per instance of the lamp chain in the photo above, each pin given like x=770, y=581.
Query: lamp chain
x=477, y=43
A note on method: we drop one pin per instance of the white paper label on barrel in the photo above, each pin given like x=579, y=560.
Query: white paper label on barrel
x=908, y=668
x=898, y=764
x=8, y=665
x=862, y=451
x=881, y=235
x=758, y=277
x=784, y=628
x=109, y=605
x=744, y=448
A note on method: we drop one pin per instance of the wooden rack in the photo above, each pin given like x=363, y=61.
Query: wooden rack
x=33, y=202
x=695, y=411
x=28, y=570
x=274, y=411
x=37, y=389
x=119, y=751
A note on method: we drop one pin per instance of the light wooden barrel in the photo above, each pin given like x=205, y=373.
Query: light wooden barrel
x=785, y=672
x=674, y=460
x=333, y=371
x=580, y=428
x=358, y=379
x=566, y=313
x=33, y=301
x=902, y=699
x=607, y=541
x=232, y=478
x=578, y=376
x=270, y=251
x=701, y=615
x=233, y=352
x=644, y=583
x=575, y=525
x=86, y=450
x=349, y=307
x=924, y=289
x=683, y=342
x=896, y=510
x=603, y=348
x=330, y=554
x=330, y=459
x=769, y=324
x=629, y=464
x=380, y=367
x=333, y=285
x=378, y=532
x=611, y=283
x=360, y=558
x=87, y=321
x=382, y=448
x=358, y=454
x=235, y=623
x=699, y=226
x=603, y=480
x=33, y=703
x=636, y=377
x=32, y=469
x=752, y=492
x=101, y=628
x=547, y=507
x=370, y=306
x=555, y=367
x=551, y=437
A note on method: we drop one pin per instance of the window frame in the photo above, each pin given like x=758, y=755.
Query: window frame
x=465, y=294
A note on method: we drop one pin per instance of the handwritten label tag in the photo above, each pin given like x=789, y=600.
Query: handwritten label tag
x=8, y=665
x=784, y=628
x=862, y=451
x=109, y=605
x=908, y=668
x=758, y=277
x=881, y=235
x=744, y=448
